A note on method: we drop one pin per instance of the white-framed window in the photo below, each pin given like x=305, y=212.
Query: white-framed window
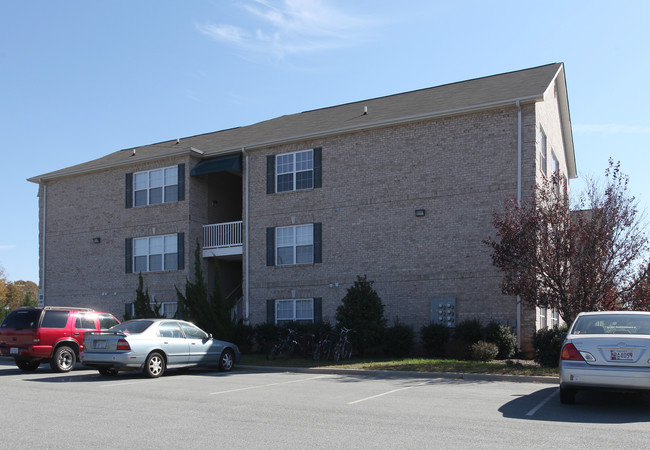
x=543, y=151
x=555, y=167
x=555, y=318
x=152, y=187
x=155, y=253
x=294, y=171
x=542, y=318
x=167, y=309
x=294, y=245
x=294, y=310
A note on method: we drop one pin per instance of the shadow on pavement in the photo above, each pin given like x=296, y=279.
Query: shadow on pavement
x=590, y=407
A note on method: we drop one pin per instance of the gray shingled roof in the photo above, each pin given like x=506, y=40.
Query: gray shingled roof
x=481, y=93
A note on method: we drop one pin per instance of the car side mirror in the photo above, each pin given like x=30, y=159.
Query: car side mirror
x=209, y=336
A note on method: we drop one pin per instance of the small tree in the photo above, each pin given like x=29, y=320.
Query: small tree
x=362, y=311
x=572, y=261
x=211, y=313
x=142, y=308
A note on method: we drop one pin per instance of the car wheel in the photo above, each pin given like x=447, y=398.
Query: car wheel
x=155, y=365
x=63, y=359
x=227, y=361
x=27, y=366
x=108, y=371
x=567, y=396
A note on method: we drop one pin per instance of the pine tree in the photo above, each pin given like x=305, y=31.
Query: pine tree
x=211, y=313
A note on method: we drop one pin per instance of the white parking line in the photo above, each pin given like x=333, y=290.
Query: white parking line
x=125, y=383
x=542, y=403
x=268, y=385
x=386, y=393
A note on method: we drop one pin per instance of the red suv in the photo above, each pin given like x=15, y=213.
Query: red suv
x=49, y=334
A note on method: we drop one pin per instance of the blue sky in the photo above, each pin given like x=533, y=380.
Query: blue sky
x=81, y=79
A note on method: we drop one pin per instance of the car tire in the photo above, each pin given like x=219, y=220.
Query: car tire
x=108, y=371
x=567, y=396
x=227, y=360
x=154, y=366
x=27, y=366
x=63, y=359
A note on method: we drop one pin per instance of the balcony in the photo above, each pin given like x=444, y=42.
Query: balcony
x=222, y=240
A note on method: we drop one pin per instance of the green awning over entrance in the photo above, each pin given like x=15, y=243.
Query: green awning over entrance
x=230, y=164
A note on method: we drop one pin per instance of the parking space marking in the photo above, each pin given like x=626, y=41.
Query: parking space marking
x=126, y=383
x=542, y=403
x=386, y=393
x=268, y=385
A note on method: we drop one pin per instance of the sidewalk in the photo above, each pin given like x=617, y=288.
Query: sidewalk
x=407, y=374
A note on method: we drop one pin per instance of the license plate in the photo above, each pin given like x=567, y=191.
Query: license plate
x=13, y=351
x=100, y=344
x=621, y=355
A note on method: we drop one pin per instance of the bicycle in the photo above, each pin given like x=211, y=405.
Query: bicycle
x=286, y=347
x=343, y=348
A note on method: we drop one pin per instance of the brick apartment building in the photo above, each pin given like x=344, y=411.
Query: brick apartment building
x=399, y=188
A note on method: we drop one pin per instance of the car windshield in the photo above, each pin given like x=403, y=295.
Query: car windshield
x=612, y=324
x=132, y=326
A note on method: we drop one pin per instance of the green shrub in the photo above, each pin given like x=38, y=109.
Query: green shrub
x=362, y=311
x=484, y=351
x=547, y=345
x=503, y=337
x=265, y=335
x=243, y=335
x=434, y=338
x=469, y=330
x=457, y=349
x=398, y=339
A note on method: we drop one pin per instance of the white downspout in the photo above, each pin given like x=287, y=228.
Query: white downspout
x=44, y=234
x=246, y=229
x=519, y=162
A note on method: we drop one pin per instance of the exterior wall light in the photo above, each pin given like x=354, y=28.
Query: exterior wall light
x=97, y=240
x=419, y=213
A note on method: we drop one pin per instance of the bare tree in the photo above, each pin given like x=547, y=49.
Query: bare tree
x=572, y=260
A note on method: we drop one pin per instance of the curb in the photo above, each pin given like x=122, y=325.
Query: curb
x=408, y=374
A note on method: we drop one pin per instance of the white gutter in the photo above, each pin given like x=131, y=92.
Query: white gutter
x=246, y=228
x=519, y=162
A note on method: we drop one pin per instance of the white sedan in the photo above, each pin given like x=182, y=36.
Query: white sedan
x=152, y=345
x=608, y=350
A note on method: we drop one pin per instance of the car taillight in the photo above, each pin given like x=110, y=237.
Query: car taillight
x=123, y=345
x=571, y=353
x=36, y=337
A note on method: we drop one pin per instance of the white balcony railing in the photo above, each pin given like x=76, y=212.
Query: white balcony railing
x=222, y=239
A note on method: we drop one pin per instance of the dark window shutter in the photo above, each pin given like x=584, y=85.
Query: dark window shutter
x=318, y=242
x=270, y=311
x=270, y=174
x=318, y=167
x=128, y=251
x=318, y=309
x=129, y=190
x=181, y=182
x=180, y=238
x=270, y=246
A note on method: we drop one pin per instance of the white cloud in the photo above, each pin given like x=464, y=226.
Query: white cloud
x=611, y=129
x=7, y=247
x=289, y=27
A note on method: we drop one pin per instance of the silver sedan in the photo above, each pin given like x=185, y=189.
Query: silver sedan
x=153, y=345
x=606, y=350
